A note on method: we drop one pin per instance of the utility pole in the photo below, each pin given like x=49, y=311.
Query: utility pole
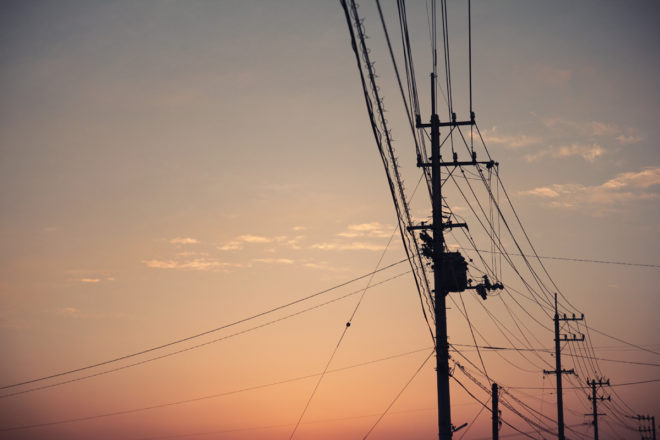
x=441, y=343
x=594, y=401
x=558, y=370
x=496, y=413
x=644, y=430
x=449, y=268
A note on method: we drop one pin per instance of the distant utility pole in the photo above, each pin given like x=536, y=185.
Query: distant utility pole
x=594, y=401
x=558, y=371
x=496, y=413
x=647, y=432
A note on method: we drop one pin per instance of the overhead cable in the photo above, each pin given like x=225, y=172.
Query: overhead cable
x=188, y=338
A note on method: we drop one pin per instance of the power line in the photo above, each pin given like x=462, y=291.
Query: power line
x=582, y=260
x=211, y=396
x=582, y=387
x=547, y=350
x=622, y=341
x=399, y=394
x=256, y=428
x=193, y=347
x=188, y=338
x=486, y=407
x=341, y=338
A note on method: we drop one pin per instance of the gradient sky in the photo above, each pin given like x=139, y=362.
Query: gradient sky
x=168, y=167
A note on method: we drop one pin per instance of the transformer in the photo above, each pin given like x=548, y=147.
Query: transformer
x=454, y=272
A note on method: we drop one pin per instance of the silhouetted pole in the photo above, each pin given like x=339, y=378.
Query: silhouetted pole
x=594, y=401
x=594, y=404
x=496, y=413
x=558, y=371
x=441, y=345
x=644, y=429
x=560, y=397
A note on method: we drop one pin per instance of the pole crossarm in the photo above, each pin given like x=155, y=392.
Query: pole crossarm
x=571, y=318
x=445, y=225
x=573, y=338
x=456, y=163
x=563, y=371
x=452, y=123
x=447, y=124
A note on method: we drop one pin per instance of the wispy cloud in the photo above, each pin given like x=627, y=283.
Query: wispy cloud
x=352, y=246
x=641, y=179
x=492, y=136
x=588, y=152
x=294, y=242
x=249, y=238
x=68, y=312
x=373, y=229
x=323, y=266
x=543, y=192
x=551, y=75
x=594, y=130
x=629, y=139
x=239, y=242
x=597, y=128
x=89, y=276
x=199, y=264
x=192, y=254
x=625, y=187
x=274, y=260
x=231, y=246
x=184, y=240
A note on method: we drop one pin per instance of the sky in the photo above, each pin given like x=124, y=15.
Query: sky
x=171, y=167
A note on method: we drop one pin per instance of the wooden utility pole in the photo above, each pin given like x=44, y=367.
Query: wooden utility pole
x=449, y=268
x=440, y=306
x=646, y=430
x=594, y=401
x=558, y=370
x=496, y=413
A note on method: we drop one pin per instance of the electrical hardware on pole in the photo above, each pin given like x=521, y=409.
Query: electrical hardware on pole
x=647, y=432
x=594, y=401
x=558, y=370
x=449, y=268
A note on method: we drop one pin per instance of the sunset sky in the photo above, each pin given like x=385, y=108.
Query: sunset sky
x=172, y=167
